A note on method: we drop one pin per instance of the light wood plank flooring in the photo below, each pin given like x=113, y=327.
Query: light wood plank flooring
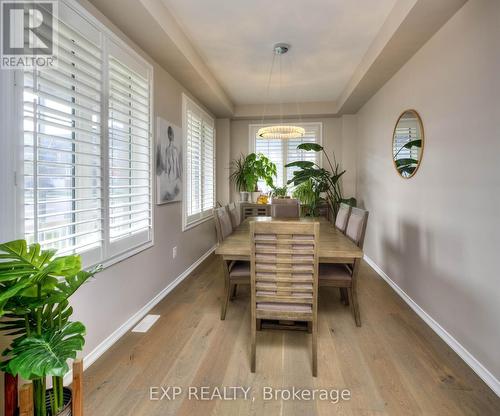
x=393, y=365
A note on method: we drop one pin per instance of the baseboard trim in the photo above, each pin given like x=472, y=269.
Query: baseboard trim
x=462, y=352
x=92, y=357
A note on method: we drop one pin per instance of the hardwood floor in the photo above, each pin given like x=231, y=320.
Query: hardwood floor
x=393, y=365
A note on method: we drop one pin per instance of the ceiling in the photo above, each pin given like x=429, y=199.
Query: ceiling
x=220, y=51
x=235, y=38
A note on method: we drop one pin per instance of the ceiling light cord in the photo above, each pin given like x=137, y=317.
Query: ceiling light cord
x=268, y=88
x=280, y=131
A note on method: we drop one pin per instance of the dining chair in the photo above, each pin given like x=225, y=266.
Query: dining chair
x=234, y=213
x=285, y=208
x=235, y=272
x=342, y=217
x=344, y=276
x=284, y=277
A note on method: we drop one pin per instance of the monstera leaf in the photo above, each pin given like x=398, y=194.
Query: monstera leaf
x=22, y=267
x=315, y=147
x=44, y=355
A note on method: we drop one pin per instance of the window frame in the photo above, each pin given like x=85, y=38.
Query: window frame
x=15, y=127
x=186, y=224
x=254, y=127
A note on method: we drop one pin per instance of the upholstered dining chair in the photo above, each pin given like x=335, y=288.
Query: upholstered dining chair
x=235, y=272
x=234, y=214
x=344, y=276
x=284, y=276
x=285, y=208
x=342, y=217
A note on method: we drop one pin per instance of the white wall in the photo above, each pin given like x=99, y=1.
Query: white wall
x=437, y=235
x=338, y=137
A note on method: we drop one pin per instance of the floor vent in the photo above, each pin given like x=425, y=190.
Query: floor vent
x=146, y=323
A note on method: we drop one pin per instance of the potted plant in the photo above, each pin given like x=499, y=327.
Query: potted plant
x=34, y=290
x=324, y=181
x=309, y=195
x=279, y=192
x=247, y=171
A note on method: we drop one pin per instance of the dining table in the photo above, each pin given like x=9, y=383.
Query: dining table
x=334, y=246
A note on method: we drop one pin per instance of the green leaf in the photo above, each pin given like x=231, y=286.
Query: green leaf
x=315, y=147
x=406, y=161
x=413, y=143
x=304, y=164
x=350, y=201
x=46, y=355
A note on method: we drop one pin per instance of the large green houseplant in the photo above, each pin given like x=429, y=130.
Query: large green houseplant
x=35, y=286
x=309, y=195
x=246, y=171
x=323, y=180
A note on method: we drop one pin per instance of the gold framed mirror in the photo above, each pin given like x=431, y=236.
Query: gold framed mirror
x=408, y=143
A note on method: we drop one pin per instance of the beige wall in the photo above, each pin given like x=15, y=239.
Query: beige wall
x=223, y=134
x=437, y=235
x=335, y=138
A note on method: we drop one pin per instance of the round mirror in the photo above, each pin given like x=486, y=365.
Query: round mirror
x=408, y=143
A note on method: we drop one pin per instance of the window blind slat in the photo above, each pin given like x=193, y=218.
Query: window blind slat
x=127, y=126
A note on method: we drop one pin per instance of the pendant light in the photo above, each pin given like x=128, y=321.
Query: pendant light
x=279, y=131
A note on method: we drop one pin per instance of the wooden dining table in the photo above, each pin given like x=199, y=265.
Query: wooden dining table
x=334, y=246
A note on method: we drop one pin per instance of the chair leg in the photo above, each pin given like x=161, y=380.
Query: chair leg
x=314, y=348
x=343, y=296
x=225, y=300
x=253, y=345
x=353, y=296
x=233, y=291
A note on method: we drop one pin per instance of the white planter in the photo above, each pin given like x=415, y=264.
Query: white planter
x=244, y=196
x=255, y=196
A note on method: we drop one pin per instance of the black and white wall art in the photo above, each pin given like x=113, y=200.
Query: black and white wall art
x=168, y=162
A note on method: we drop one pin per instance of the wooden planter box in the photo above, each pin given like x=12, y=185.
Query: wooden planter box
x=26, y=394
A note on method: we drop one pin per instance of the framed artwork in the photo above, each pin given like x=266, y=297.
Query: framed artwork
x=168, y=162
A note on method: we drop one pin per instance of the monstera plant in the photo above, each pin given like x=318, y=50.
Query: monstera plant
x=322, y=180
x=35, y=286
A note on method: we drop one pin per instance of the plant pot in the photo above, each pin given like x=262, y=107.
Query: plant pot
x=66, y=411
x=255, y=196
x=244, y=196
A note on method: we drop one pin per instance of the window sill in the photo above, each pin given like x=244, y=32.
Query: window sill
x=193, y=224
x=123, y=256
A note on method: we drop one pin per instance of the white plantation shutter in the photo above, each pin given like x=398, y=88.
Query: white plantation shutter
x=282, y=152
x=62, y=148
x=199, y=144
x=129, y=154
x=312, y=135
x=87, y=145
x=273, y=149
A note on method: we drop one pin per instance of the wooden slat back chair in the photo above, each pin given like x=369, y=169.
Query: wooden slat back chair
x=344, y=276
x=223, y=224
x=235, y=272
x=284, y=276
x=285, y=208
x=234, y=214
x=342, y=217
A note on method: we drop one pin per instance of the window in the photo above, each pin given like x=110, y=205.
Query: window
x=199, y=150
x=87, y=146
x=282, y=152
